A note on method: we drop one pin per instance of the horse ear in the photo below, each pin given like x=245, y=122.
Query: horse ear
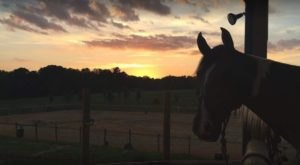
x=226, y=38
x=202, y=45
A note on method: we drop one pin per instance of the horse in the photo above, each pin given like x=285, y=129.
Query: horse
x=229, y=79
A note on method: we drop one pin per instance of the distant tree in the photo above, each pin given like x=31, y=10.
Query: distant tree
x=85, y=70
x=116, y=70
x=57, y=80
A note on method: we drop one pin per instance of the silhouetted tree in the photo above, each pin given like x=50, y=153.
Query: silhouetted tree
x=54, y=80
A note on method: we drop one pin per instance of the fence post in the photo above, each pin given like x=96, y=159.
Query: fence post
x=189, y=145
x=36, y=131
x=56, y=132
x=80, y=134
x=158, y=142
x=105, y=142
x=166, y=127
x=16, y=129
x=85, y=128
x=129, y=137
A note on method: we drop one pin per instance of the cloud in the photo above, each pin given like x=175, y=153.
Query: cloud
x=50, y=14
x=153, y=43
x=125, y=13
x=38, y=21
x=15, y=23
x=120, y=25
x=94, y=10
x=16, y=59
x=212, y=33
x=197, y=17
x=155, y=6
x=282, y=45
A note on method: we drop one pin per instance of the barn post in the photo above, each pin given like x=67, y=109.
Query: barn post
x=85, y=128
x=256, y=39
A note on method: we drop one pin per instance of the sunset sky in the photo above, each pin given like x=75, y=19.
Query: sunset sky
x=143, y=37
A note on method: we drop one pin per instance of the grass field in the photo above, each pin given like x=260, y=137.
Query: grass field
x=16, y=151
x=182, y=100
x=143, y=116
x=144, y=127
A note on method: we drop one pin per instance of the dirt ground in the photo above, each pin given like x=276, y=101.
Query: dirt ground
x=146, y=131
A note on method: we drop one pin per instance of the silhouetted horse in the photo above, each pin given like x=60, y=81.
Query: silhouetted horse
x=229, y=78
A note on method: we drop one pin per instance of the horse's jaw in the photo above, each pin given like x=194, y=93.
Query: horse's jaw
x=207, y=131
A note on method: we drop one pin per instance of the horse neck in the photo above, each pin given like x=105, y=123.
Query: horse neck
x=277, y=100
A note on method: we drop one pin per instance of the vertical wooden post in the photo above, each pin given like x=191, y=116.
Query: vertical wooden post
x=256, y=39
x=56, y=132
x=80, y=135
x=17, y=129
x=256, y=27
x=167, y=125
x=36, y=131
x=158, y=142
x=105, y=142
x=189, y=145
x=85, y=128
x=129, y=136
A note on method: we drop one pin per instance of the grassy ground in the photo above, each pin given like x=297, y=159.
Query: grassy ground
x=14, y=151
x=132, y=101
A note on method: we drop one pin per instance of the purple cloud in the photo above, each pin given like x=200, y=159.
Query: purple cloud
x=153, y=43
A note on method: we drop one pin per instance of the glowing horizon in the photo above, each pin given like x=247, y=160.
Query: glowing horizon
x=141, y=38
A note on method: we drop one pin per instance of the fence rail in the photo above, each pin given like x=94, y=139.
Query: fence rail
x=142, y=141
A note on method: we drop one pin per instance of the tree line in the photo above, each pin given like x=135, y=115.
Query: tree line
x=55, y=80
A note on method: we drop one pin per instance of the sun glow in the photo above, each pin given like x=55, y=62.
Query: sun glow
x=146, y=71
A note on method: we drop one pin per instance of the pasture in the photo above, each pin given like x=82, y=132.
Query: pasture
x=145, y=130
x=58, y=121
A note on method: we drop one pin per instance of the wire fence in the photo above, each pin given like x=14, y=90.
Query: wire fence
x=129, y=139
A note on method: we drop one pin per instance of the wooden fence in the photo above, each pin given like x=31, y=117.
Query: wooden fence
x=152, y=142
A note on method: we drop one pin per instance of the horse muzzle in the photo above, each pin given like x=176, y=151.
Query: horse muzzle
x=207, y=131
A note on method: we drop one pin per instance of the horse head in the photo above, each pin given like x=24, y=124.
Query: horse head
x=219, y=90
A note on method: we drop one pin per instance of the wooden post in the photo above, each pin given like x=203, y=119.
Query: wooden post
x=80, y=135
x=85, y=128
x=167, y=125
x=129, y=137
x=36, y=131
x=189, y=145
x=256, y=39
x=105, y=143
x=17, y=129
x=158, y=142
x=56, y=132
